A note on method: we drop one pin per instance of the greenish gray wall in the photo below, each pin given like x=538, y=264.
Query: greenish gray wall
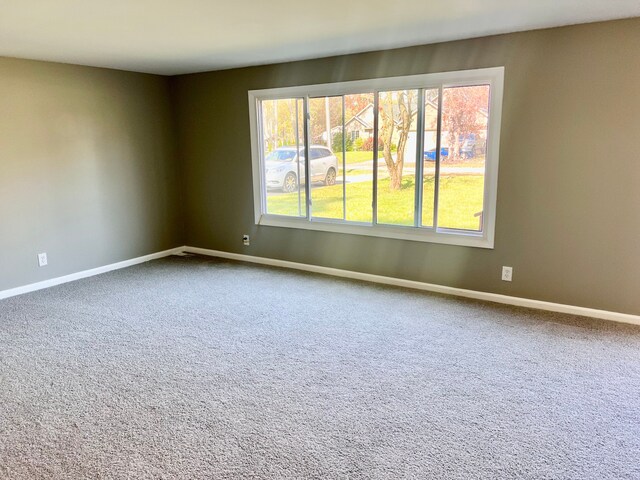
x=568, y=214
x=87, y=169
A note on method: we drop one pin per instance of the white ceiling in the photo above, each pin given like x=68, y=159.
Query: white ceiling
x=183, y=36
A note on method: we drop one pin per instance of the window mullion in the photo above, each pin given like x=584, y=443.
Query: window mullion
x=307, y=161
x=344, y=164
x=374, y=203
x=417, y=212
x=436, y=186
x=263, y=180
x=298, y=150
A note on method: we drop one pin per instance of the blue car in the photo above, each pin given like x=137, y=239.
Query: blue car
x=470, y=146
x=430, y=155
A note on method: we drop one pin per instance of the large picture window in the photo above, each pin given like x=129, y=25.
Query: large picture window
x=412, y=157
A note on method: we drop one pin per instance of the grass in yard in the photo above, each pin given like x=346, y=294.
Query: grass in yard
x=461, y=198
x=355, y=157
x=478, y=161
x=396, y=207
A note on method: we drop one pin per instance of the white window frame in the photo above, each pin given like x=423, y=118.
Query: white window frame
x=487, y=76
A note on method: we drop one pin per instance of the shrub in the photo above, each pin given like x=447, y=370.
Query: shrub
x=336, y=143
x=367, y=144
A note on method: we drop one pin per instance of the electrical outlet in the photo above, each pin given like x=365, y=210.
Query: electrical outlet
x=245, y=240
x=42, y=259
x=507, y=274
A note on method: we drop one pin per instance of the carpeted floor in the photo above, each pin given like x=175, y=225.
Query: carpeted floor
x=199, y=368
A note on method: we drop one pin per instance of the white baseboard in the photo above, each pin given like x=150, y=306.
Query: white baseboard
x=399, y=282
x=86, y=273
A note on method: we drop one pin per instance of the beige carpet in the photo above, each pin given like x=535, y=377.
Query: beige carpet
x=197, y=368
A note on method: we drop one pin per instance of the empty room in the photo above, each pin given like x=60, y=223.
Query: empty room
x=280, y=240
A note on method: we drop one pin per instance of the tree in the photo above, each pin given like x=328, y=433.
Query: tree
x=396, y=111
x=280, y=123
x=320, y=123
x=461, y=114
x=356, y=102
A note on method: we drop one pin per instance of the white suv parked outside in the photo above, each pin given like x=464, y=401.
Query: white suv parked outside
x=283, y=164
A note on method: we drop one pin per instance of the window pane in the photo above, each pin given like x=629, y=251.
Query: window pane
x=465, y=115
x=325, y=133
x=282, y=134
x=397, y=156
x=429, y=155
x=358, y=164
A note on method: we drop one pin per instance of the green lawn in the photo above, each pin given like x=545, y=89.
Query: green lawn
x=354, y=157
x=460, y=199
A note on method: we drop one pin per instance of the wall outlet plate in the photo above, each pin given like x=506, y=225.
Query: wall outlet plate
x=507, y=274
x=246, y=240
x=42, y=259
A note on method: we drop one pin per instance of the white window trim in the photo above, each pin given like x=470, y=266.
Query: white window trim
x=492, y=76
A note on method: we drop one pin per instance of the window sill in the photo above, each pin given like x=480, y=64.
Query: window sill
x=442, y=236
